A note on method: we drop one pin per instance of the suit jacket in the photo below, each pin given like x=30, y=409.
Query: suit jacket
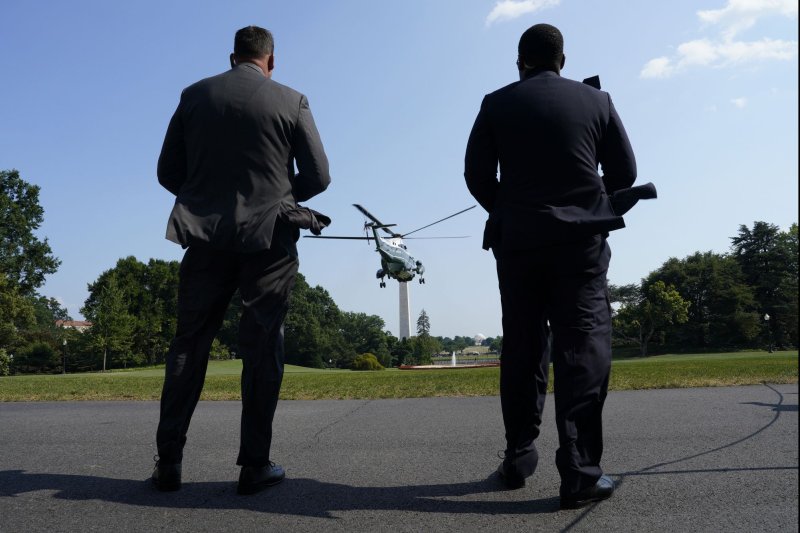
x=229, y=157
x=548, y=135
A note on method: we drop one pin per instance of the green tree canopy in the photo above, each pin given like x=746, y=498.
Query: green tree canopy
x=148, y=295
x=48, y=311
x=24, y=259
x=366, y=361
x=312, y=331
x=650, y=312
x=366, y=336
x=768, y=260
x=497, y=344
x=723, y=312
x=16, y=315
x=112, y=325
x=423, y=323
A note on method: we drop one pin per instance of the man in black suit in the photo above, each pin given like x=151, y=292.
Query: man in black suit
x=229, y=157
x=549, y=215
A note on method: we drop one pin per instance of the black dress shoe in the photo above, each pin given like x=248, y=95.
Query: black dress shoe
x=511, y=477
x=601, y=490
x=167, y=478
x=254, y=479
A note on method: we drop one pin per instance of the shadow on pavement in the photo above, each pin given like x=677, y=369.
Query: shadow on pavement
x=303, y=497
x=652, y=470
x=775, y=406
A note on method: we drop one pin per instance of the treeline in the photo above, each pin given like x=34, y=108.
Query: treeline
x=746, y=298
x=27, y=318
x=132, y=309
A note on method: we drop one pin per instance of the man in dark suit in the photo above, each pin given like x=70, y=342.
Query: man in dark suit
x=229, y=157
x=549, y=215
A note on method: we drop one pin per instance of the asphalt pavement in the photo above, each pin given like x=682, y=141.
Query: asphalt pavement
x=711, y=459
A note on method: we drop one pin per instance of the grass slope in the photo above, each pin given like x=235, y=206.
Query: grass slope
x=222, y=381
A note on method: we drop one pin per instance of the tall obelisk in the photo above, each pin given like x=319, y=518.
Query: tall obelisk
x=405, y=313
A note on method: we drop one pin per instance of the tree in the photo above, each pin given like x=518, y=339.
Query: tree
x=423, y=324
x=424, y=345
x=768, y=260
x=16, y=315
x=650, y=312
x=37, y=357
x=723, y=313
x=461, y=342
x=47, y=312
x=112, y=326
x=312, y=330
x=497, y=344
x=366, y=361
x=788, y=288
x=150, y=300
x=365, y=334
x=219, y=351
x=5, y=363
x=24, y=259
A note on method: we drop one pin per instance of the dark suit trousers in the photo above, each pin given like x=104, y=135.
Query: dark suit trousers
x=208, y=279
x=563, y=285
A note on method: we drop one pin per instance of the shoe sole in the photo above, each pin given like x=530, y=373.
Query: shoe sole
x=258, y=487
x=512, y=483
x=166, y=487
x=578, y=504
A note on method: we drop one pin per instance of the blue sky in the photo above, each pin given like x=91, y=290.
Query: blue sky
x=707, y=91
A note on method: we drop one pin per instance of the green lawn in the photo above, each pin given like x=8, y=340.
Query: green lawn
x=222, y=383
x=219, y=368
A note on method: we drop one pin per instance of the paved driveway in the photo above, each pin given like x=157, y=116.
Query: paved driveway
x=716, y=459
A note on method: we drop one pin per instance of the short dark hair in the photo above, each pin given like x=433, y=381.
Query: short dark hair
x=252, y=42
x=541, y=45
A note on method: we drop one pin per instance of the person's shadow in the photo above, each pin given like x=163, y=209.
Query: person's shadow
x=777, y=407
x=303, y=497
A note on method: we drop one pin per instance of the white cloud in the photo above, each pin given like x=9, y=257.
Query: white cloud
x=739, y=102
x=660, y=67
x=725, y=51
x=739, y=15
x=511, y=9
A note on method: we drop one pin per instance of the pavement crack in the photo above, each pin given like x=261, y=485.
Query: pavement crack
x=340, y=419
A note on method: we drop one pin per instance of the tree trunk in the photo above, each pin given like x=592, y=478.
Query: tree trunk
x=642, y=343
x=105, y=351
x=646, y=340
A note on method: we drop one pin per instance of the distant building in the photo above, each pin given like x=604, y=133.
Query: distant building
x=479, y=338
x=80, y=325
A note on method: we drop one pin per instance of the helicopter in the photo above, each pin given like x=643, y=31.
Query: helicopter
x=396, y=262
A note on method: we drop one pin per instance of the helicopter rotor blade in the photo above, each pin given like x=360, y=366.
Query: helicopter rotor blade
x=375, y=220
x=441, y=220
x=337, y=237
x=421, y=238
